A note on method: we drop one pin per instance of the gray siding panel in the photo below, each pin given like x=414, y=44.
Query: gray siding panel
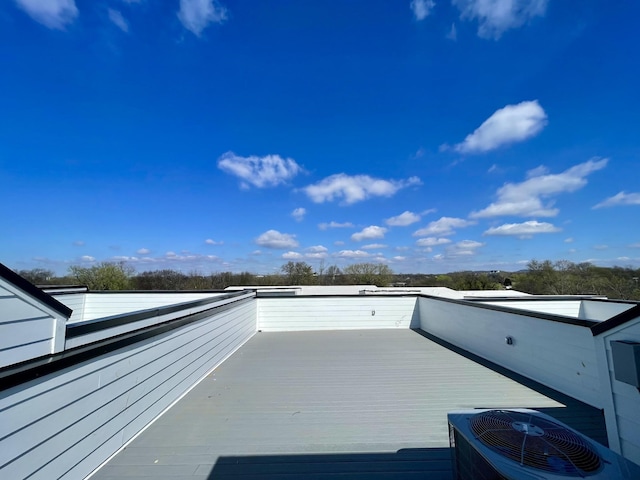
x=64, y=425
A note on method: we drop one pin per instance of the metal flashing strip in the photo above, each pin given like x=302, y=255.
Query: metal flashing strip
x=517, y=311
x=23, y=372
x=98, y=324
x=29, y=288
x=616, y=321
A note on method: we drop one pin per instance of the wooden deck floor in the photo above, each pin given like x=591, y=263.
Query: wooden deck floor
x=367, y=404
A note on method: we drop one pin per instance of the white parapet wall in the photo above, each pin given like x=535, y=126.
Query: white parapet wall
x=65, y=423
x=557, y=354
x=286, y=314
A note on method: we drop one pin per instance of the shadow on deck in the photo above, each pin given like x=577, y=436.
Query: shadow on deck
x=406, y=464
x=584, y=418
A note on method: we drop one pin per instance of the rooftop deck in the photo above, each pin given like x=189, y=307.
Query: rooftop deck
x=356, y=404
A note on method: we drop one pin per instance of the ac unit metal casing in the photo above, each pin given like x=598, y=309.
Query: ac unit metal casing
x=475, y=460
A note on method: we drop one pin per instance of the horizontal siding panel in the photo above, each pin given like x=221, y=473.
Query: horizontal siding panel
x=14, y=309
x=108, y=304
x=559, y=355
x=37, y=329
x=72, y=421
x=25, y=352
x=75, y=302
x=318, y=313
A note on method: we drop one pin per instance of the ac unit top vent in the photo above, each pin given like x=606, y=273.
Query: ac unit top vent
x=535, y=442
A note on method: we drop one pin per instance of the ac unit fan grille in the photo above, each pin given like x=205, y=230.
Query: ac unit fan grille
x=535, y=442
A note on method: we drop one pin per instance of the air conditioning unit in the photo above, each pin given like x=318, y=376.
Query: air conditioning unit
x=522, y=444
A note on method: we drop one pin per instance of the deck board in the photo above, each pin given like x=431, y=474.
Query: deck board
x=348, y=404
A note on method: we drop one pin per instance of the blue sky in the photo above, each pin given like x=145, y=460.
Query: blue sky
x=209, y=136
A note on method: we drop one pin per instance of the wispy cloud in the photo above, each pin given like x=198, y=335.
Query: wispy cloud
x=421, y=8
x=368, y=233
x=432, y=241
x=261, y=172
x=355, y=188
x=402, y=220
x=116, y=17
x=196, y=15
x=525, y=199
x=621, y=198
x=210, y=241
x=143, y=251
x=374, y=246
x=292, y=256
x=443, y=227
x=510, y=124
x=78, y=243
x=325, y=226
x=50, y=13
x=275, y=239
x=298, y=214
x=87, y=258
x=453, y=33
x=352, y=254
x=497, y=16
x=522, y=230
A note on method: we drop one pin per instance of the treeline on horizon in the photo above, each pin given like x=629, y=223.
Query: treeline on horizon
x=540, y=278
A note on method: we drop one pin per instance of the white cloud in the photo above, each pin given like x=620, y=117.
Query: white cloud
x=317, y=249
x=443, y=227
x=143, y=251
x=568, y=240
x=50, y=13
x=373, y=246
x=453, y=33
x=510, y=124
x=621, y=198
x=525, y=199
x=267, y=171
x=402, y=220
x=292, y=255
x=210, y=241
x=87, y=258
x=463, y=248
x=196, y=15
x=522, y=230
x=372, y=231
x=352, y=254
x=355, y=188
x=422, y=8
x=432, y=241
x=298, y=214
x=497, y=16
x=275, y=239
x=325, y=226
x=600, y=247
x=116, y=17
x=78, y=243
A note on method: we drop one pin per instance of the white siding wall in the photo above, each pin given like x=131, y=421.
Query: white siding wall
x=28, y=328
x=66, y=424
x=591, y=310
x=99, y=305
x=567, y=308
x=622, y=408
x=335, y=313
x=556, y=354
x=75, y=301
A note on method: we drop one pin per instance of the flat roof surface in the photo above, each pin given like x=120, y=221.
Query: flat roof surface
x=360, y=404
